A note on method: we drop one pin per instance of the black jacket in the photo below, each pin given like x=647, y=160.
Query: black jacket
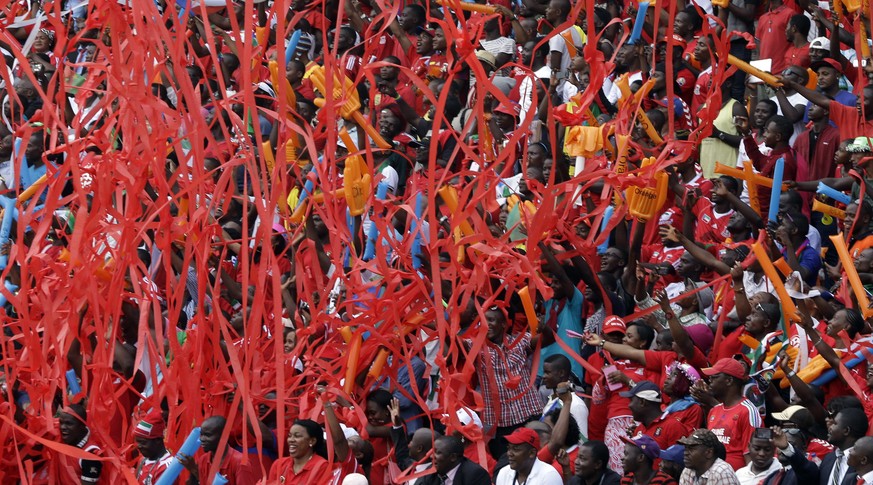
x=468, y=473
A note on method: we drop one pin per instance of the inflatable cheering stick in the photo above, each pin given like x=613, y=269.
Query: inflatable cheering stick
x=833, y=193
x=852, y=275
x=348, y=104
x=469, y=7
x=644, y=202
x=819, y=206
x=188, y=448
x=529, y=310
x=754, y=71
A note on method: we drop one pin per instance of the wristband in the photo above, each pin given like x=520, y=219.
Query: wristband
x=791, y=374
x=669, y=315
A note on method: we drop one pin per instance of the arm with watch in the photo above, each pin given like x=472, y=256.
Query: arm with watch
x=619, y=351
x=739, y=111
x=803, y=392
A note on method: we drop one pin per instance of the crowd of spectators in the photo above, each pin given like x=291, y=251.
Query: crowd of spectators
x=428, y=253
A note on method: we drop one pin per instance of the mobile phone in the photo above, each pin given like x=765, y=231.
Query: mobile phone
x=612, y=386
x=763, y=434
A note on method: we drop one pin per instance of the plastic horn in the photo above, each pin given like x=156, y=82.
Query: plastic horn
x=292, y=45
x=833, y=193
x=414, y=227
x=607, y=215
x=219, y=480
x=819, y=206
x=29, y=192
x=188, y=448
x=73, y=382
x=469, y=7
x=352, y=365
x=450, y=197
x=373, y=234
x=529, y=311
x=852, y=274
x=736, y=173
x=379, y=363
x=638, y=24
x=788, y=307
x=778, y=170
x=754, y=71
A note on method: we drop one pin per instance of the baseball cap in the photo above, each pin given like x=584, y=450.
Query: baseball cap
x=832, y=63
x=614, y=323
x=821, y=43
x=524, y=436
x=727, y=366
x=859, y=145
x=512, y=109
x=798, y=415
x=646, y=444
x=646, y=390
x=674, y=453
x=701, y=436
x=787, y=413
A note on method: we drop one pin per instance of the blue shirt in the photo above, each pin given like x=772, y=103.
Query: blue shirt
x=570, y=318
x=810, y=259
x=843, y=97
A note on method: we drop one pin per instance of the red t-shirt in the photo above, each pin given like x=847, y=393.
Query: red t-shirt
x=711, y=227
x=770, y=34
x=849, y=121
x=701, y=90
x=666, y=430
x=315, y=471
x=546, y=456
x=797, y=56
x=734, y=427
x=691, y=418
x=232, y=468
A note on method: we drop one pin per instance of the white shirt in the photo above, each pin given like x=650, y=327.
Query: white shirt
x=867, y=477
x=578, y=410
x=540, y=474
x=844, y=465
x=424, y=466
x=748, y=477
x=450, y=476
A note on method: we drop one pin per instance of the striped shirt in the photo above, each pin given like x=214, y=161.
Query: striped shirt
x=505, y=379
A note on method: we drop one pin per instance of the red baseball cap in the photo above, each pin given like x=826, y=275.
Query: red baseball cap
x=524, y=436
x=614, y=323
x=827, y=62
x=727, y=366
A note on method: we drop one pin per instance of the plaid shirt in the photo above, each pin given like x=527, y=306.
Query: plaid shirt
x=720, y=473
x=505, y=380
